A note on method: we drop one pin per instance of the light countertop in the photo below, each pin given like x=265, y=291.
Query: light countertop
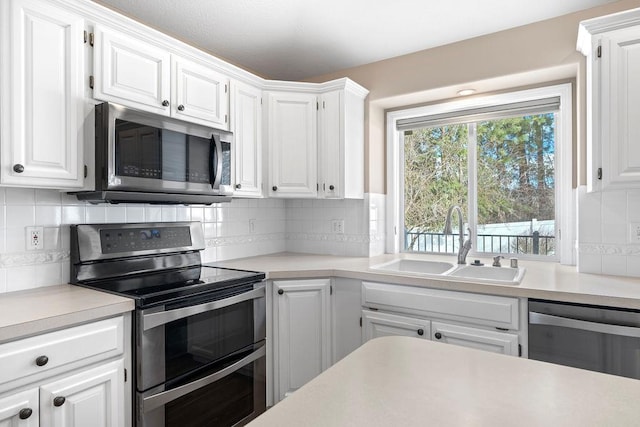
x=34, y=311
x=544, y=280
x=401, y=381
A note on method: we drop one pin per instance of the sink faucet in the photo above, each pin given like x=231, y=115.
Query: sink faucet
x=464, y=246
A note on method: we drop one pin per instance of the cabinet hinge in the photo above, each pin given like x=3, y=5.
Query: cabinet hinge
x=86, y=36
x=125, y=375
x=317, y=187
x=599, y=52
x=361, y=322
x=91, y=82
x=519, y=350
x=599, y=173
x=323, y=105
x=225, y=118
x=225, y=88
x=330, y=290
x=86, y=171
x=317, y=105
x=92, y=38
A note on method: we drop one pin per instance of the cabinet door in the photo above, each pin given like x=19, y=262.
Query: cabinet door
x=131, y=72
x=497, y=342
x=302, y=332
x=94, y=398
x=292, y=145
x=330, y=145
x=199, y=94
x=375, y=324
x=20, y=409
x=246, y=124
x=620, y=96
x=42, y=78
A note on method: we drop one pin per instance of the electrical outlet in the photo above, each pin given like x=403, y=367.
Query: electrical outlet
x=35, y=238
x=337, y=226
x=634, y=232
x=252, y=226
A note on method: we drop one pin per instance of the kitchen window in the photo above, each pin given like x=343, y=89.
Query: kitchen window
x=505, y=160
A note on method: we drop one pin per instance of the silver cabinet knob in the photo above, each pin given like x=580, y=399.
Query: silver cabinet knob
x=165, y=103
x=180, y=107
x=18, y=168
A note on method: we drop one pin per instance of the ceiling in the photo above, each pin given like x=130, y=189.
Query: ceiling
x=298, y=39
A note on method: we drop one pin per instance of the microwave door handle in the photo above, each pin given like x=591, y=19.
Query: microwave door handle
x=155, y=401
x=150, y=321
x=215, y=162
x=564, y=322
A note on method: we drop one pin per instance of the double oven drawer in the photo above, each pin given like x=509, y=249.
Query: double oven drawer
x=194, y=352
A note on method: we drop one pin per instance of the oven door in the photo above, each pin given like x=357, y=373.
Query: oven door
x=182, y=339
x=230, y=393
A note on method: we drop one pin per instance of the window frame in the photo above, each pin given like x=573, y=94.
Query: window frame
x=564, y=194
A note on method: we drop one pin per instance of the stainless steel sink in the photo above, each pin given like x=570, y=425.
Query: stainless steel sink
x=416, y=266
x=489, y=274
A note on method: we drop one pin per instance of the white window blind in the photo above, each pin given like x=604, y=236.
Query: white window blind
x=476, y=114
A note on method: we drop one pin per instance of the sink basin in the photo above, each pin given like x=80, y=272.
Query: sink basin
x=490, y=274
x=416, y=266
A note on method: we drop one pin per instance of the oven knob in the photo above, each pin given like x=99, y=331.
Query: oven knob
x=438, y=335
x=42, y=360
x=165, y=103
x=59, y=401
x=25, y=413
x=280, y=292
x=180, y=107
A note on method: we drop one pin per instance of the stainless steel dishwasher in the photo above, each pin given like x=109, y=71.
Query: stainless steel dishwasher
x=590, y=337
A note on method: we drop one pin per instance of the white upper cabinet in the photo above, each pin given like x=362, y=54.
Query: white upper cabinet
x=246, y=125
x=199, y=94
x=341, y=143
x=292, y=125
x=612, y=47
x=131, y=72
x=41, y=81
x=147, y=77
x=316, y=140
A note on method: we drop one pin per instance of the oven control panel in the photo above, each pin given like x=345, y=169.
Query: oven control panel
x=116, y=240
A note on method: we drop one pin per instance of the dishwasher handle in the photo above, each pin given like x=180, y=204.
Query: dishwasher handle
x=536, y=318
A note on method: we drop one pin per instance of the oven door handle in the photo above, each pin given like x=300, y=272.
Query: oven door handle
x=155, y=401
x=152, y=320
x=564, y=322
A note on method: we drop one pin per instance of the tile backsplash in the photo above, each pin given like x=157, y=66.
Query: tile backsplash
x=606, y=221
x=241, y=228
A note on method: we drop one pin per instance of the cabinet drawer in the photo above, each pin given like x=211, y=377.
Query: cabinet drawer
x=489, y=310
x=90, y=342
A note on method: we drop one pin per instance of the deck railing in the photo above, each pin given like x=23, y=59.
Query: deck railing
x=492, y=243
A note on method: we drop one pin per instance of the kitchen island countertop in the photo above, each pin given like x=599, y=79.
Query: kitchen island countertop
x=401, y=381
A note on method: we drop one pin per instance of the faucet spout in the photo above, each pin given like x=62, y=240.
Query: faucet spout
x=464, y=246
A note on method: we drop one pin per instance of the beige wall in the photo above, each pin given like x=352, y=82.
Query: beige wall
x=527, y=55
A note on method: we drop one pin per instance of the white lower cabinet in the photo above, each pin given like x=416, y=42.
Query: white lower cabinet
x=19, y=409
x=302, y=326
x=494, y=341
x=376, y=324
x=484, y=322
x=89, y=398
x=74, y=377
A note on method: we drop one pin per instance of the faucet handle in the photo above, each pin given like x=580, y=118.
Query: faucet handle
x=496, y=260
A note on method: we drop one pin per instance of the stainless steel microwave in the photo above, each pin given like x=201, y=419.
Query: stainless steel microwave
x=147, y=158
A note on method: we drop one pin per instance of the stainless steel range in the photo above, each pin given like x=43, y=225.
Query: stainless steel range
x=199, y=330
